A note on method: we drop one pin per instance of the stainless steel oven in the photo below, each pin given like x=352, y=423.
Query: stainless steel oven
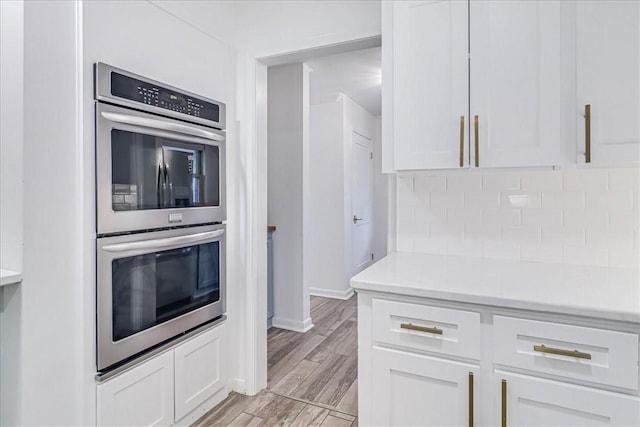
x=160, y=208
x=160, y=155
x=154, y=286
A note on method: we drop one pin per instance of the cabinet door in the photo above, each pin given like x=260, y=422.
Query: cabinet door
x=522, y=82
x=415, y=390
x=538, y=402
x=608, y=70
x=142, y=396
x=198, y=371
x=429, y=75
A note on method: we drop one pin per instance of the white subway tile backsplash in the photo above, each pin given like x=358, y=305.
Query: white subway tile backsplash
x=566, y=235
x=520, y=233
x=596, y=217
x=626, y=258
x=500, y=182
x=447, y=200
x=542, y=181
x=586, y=180
x=521, y=200
x=482, y=200
x=586, y=256
x=501, y=216
x=611, y=199
x=482, y=232
x=465, y=181
x=563, y=200
x=430, y=183
x=501, y=250
x=462, y=216
x=533, y=252
x=624, y=219
x=578, y=216
x=624, y=179
x=542, y=217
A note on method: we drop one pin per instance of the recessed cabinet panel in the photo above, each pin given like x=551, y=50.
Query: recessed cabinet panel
x=539, y=402
x=430, y=83
x=608, y=70
x=142, y=396
x=413, y=390
x=198, y=370
x=521, y=72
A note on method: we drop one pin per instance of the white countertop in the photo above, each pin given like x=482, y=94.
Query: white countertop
x=607, y=293
x=8, y=277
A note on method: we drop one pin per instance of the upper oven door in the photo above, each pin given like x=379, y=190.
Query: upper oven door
x=153, y=172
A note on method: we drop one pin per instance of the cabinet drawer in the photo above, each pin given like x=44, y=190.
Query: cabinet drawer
x=588, y=354
x=420, y=327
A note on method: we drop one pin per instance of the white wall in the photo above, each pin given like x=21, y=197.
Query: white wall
x=332, y=125
x=586, y=216
x=11, y=147
x=327, y=251
x=288, y=189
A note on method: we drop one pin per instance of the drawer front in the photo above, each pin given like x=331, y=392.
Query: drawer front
x=588, y=354
x=433, y=329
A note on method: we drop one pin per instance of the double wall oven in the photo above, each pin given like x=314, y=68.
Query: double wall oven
x=160, y=200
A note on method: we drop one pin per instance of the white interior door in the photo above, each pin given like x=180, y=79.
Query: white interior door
x=361, y=201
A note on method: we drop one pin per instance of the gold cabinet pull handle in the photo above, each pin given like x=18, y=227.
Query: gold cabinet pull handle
x=561, y=352
x=477, y=140
x=413, y=327
x=461, y=141
x=470, y=399
x=587, y=133
x=503, y=416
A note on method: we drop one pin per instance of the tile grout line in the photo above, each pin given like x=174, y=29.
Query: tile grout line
x=317, y=404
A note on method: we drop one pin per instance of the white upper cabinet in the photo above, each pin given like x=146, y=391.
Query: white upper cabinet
x=430, y=82
x=608, y=76
x=521, y=86
x=519, y=82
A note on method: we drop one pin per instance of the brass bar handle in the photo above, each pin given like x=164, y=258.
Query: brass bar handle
x=503, y=416
x=413, y=327
x=587, y=133
x=470, y=399
x=477, y=140
x=461, y=141
x=561, y=352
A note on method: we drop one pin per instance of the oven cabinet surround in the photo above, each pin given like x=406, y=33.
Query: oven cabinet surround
x=479, y=339
x=524, y=69
x=174, y=387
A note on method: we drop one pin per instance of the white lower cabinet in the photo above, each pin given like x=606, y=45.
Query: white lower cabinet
x=530, y=401
x=419, y=365
x=140, y=397
x=167, y=388
x=415, y=390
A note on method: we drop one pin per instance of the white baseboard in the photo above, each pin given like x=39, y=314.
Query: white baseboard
x=331, y=293
x=292, y=325
x=237, y=385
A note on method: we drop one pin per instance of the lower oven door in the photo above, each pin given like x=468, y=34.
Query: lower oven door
x=155, y=286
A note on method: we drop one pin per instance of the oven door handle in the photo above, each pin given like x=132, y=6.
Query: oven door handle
x=162, y=125
x=159, y=244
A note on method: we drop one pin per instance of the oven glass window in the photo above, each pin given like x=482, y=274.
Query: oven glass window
x=150, y=289
x=150, y=172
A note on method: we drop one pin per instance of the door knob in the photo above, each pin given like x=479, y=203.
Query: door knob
x=356, y=219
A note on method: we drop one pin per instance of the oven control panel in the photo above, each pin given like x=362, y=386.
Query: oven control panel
x=157, y=96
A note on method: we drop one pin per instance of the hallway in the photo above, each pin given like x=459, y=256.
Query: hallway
x=312, y=377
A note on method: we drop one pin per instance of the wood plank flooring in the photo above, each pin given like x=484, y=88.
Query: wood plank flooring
x=311, y=379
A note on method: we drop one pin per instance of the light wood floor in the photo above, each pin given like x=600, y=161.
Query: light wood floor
x=312, y=377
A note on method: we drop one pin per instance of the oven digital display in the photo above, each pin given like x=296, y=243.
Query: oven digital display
x=139, y=91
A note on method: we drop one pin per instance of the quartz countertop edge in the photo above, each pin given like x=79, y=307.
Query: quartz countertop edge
x=590, y=291
x=8, y=277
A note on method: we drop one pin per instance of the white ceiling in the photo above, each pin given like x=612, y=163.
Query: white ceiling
x=357, y=74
